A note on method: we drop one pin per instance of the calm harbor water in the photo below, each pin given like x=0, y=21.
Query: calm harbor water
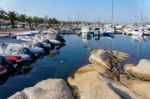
x=69, y=58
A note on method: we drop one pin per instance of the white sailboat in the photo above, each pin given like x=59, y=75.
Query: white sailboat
x=97, y=30
x=138, y=31
x=109, y=29
x=85, y=32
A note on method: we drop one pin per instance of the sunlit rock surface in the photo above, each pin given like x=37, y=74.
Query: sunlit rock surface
x=141, y=70
x=106, y=57
x=139, y=87
x=47, y=89
x=91, y=84
x=95, y=80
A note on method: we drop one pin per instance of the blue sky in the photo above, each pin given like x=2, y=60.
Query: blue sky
x=125, y=11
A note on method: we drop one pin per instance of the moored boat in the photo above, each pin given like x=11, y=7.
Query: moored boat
x=3, y=70
x=13, y=58
x=85, y=32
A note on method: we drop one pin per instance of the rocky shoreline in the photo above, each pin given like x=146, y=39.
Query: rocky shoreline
x=101, y=79
x=46, y=89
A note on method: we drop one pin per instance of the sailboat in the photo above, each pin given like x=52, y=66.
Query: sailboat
x=138, y=31
x=85, y=32
x=109, y=29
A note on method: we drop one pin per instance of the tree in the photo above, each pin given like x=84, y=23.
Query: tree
x=2, y=14
x=35, y=20
x=52, y=21
x=40, y=20
x=12, y=17
x=30, y=21
x=22, y=18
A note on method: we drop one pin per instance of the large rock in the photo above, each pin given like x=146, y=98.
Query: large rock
x=91, y=67
x=47, y=89
x=139, y=87
x=106, y=57
x=90, y=83
x=141, y=70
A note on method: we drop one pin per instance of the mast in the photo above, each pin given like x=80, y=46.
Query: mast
x=141, y=15
x=112, y=13
x=78, y=17
x=100, y=13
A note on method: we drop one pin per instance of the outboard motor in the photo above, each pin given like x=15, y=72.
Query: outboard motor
x=14, y=37
x=52, y=45
x=5, y=63
x=25, y=50
x=60, y=38
x=2, y=60
x=40, y=45
x=46, y=41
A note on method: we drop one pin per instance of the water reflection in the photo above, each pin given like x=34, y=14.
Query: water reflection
x=53, y=54
x=25, y=67
x=134, y=45
x=93, y=42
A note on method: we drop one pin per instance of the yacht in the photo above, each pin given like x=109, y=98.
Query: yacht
x=136, y=32
x=85, y=32
x=97, y=30
x=108, y=30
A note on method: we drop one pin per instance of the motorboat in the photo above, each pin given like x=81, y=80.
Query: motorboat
x=48, y=42
x=28, y=33
x=54, y=39
x=108, y=30
x=55, y=42
x=14, y=51
x=136, y=32
x=25, y=53
x=97, y=30
x=3, y=70
x=85, y=32
x=49, y=35
x=60, y=38
x=109, y=35
x=13, y=58
x=40, y=45
x=36, y=51
x=146, y=32
x=67, y=30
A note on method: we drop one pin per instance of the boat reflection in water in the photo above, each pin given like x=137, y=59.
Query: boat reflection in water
x=139, y=41
x=55, y=52
x=110, y=41
x=106, y=38
x=25, y=67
